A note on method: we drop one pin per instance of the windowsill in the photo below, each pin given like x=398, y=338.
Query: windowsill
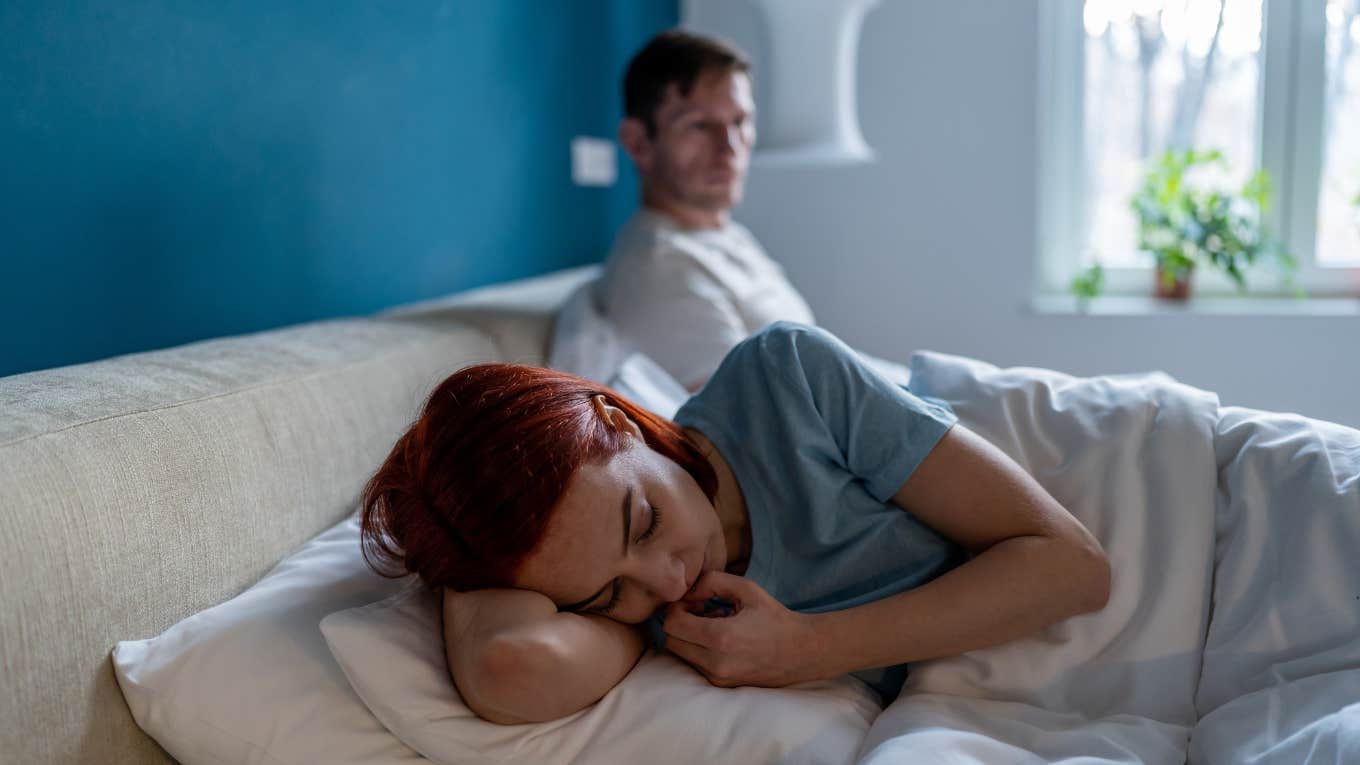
x=1129, y=305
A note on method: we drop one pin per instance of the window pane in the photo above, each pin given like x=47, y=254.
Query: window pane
x=1338, y=241
x=1163, y=74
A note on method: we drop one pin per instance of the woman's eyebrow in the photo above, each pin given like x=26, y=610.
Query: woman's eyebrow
x=627, y=528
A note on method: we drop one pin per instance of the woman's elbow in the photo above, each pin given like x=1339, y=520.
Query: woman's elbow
x=499, y=684
x=1093, y=578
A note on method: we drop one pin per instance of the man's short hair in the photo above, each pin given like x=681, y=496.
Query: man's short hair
x=674, y=56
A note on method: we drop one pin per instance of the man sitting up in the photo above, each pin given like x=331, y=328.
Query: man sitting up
x=685, y=283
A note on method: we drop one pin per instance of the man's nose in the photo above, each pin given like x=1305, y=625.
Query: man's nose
x=729, y=140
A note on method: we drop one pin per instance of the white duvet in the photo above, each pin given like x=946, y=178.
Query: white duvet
x=1232, y=633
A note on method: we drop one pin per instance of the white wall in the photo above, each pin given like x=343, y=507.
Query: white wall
x=933, y=246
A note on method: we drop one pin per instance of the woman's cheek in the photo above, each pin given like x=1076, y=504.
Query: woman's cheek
x=640, y=611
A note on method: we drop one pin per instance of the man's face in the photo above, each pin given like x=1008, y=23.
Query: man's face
x=702, y=146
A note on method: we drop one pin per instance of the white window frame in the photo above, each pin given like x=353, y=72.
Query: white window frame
x=1288, y=144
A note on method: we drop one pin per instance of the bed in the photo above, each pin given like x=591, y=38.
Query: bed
x=182, y=580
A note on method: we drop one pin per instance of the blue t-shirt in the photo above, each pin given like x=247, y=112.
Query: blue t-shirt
x=819, y=443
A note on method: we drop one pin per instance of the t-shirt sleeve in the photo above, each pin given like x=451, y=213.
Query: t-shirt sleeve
x=883, y=431
x=675, y=311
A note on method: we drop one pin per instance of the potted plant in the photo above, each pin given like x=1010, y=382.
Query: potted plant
x=1182, y=226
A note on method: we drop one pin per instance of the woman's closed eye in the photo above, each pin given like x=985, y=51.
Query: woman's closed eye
x=617, y=593
x=655, y=525
x=607, y=608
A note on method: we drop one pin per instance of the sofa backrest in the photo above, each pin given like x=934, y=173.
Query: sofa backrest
x=138, y=490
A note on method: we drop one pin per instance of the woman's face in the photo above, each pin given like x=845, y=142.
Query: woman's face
x=634, y=531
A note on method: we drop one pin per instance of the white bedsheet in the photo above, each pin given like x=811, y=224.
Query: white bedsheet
x=1225, y=525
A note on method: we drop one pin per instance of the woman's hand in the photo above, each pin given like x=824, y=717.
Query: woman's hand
x=761, y=643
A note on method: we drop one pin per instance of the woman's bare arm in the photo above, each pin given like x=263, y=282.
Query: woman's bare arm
x=516, y=659
x=1035, y=564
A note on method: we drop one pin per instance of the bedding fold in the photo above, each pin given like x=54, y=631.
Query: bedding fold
x=1232, y=633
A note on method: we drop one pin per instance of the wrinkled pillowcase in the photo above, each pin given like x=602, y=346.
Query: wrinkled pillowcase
x=251, y=681
x=646, y=383
x=584, y=343
x=662, y=712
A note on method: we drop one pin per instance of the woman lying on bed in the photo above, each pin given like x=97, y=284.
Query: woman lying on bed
x=836, y=522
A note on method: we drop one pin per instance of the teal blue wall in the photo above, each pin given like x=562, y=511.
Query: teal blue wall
x=171, y=171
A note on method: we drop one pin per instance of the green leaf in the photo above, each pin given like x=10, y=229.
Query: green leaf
x=1088, y=284
x=1258, y=190
x=1181, y=224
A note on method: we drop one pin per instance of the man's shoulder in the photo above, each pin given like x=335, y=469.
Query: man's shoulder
x=649, y=239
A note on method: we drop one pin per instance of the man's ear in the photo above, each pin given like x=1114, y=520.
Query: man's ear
x=616, y=417
x=635, y=141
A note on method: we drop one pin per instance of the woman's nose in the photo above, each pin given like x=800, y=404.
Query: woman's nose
x=667, y=579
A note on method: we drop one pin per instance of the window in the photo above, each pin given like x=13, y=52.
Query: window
x=1338, y=243
x=1272, y=84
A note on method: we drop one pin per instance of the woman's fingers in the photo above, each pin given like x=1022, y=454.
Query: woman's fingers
x=690, y=627
x=710, y=660
x=694, y=654
x=719, y=584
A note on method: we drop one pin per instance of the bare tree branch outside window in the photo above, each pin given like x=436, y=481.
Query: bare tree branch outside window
x=1193, y=66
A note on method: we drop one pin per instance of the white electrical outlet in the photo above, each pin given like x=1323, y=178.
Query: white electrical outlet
x=594, y=162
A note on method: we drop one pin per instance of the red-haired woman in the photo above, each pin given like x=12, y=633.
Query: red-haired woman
x=851, y=526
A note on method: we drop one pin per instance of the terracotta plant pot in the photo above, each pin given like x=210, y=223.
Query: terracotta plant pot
x=1167, y=289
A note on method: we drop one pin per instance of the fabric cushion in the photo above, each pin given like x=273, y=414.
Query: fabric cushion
x=138, y=491
x=662, y=712
x=251, y=681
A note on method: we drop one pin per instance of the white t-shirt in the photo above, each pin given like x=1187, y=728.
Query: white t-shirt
x=685, y=297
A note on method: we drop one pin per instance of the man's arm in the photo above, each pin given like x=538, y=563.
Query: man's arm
x=516, y=659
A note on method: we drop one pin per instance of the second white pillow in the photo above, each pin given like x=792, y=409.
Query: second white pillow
x=662, y=712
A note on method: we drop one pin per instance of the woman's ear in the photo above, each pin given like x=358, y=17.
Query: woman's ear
x=616, y=417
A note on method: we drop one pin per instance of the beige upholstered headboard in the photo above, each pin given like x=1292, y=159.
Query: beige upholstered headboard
x=139, y=490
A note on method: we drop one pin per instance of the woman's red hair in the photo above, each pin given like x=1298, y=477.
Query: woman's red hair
x=467, y=491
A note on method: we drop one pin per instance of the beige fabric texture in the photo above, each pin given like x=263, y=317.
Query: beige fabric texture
x=139, y=490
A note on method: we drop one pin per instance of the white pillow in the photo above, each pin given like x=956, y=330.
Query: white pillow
x=896, y=373
x=251, y=681
x=647, y=384
x=585, y=343
x=662, y=712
